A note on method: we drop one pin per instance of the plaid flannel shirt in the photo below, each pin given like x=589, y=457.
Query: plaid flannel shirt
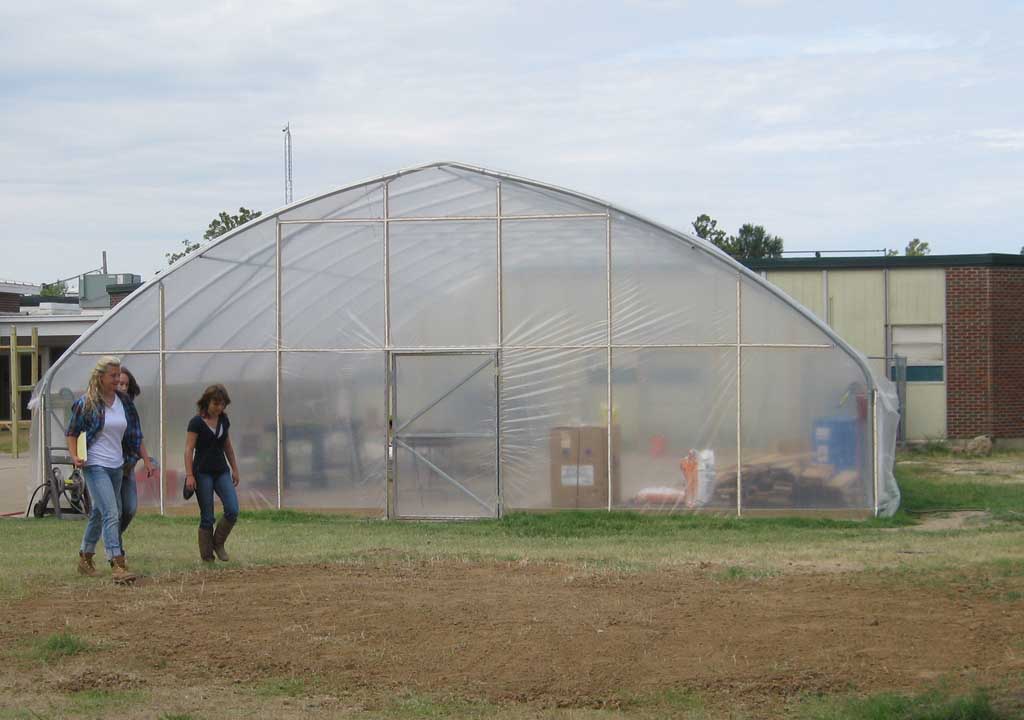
x=90, y=422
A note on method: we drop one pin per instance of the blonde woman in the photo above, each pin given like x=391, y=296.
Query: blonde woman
x=113, y=437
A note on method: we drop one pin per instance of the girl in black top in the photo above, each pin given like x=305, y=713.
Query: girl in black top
x=208, y=454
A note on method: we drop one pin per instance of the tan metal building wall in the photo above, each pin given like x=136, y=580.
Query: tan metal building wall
x=918, y=297
x=854, y=304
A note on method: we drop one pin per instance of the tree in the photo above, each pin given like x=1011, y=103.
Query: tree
x=751, y=242
x=892, y=253
x=218, y=226
x=54, y=289
x=175, y=257
x=916, y=248
x=706, y=228
x=224, y=222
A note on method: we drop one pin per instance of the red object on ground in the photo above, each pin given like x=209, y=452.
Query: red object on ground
x=659, y=444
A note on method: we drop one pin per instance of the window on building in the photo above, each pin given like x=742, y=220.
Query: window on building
x=922, y=346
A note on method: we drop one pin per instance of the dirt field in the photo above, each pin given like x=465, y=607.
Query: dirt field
x=537, y=636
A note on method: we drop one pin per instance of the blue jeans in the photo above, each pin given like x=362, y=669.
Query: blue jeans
x=129, y=500
x=105, y=490
x=206, y=486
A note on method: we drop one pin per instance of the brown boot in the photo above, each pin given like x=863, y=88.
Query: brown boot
x=206, y=544
x=220, y=536
x=85, y=564
x=120, y=573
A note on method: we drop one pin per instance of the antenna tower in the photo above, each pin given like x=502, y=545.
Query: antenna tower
x=287, y=130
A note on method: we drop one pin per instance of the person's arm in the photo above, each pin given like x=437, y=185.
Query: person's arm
x=190, y=449
x=73, y=451
x=229, y=450
x=76, y=426
x=147, y=461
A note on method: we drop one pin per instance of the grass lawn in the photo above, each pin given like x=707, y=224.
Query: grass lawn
x=39, y=557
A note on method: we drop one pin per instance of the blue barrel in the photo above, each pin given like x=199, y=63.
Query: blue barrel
x=836, y=442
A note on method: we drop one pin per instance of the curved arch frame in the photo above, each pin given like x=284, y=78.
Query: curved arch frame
x=465, y=171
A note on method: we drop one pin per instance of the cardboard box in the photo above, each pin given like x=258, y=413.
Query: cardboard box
x=579, y=466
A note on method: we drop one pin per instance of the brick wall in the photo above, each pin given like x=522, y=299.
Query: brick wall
x=1007, y=286
x=985, y=352
x=9, y=302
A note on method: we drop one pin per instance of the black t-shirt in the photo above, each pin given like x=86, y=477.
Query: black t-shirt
x=209, y=454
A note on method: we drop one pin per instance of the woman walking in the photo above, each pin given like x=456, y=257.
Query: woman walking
x=208, y=453
x=113, y=438
x=127, y=385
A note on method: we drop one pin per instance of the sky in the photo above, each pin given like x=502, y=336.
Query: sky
x=128, y=126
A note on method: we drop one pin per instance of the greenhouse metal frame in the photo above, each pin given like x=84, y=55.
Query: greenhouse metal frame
x=420, y=244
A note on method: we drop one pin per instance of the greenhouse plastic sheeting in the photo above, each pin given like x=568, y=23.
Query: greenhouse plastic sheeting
x=448, y=342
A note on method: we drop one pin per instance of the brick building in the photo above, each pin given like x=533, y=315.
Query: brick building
x=957, y=319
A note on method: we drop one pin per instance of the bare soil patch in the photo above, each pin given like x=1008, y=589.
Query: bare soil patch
x=542, y=634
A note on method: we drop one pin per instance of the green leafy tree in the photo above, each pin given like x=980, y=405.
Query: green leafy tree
x=751, y=242
x=218, y=226
x=706, y=228
x=54, y=289
x=224, y=222
x=174, y=257
x=892, y=253
x=916, y=248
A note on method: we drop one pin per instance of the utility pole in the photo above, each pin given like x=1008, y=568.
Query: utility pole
x=287, y=130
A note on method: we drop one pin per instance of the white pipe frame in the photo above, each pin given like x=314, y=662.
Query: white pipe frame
x=498, y=218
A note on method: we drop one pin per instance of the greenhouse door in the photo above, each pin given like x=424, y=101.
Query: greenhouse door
x=444, y=435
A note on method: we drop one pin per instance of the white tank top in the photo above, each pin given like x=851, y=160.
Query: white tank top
x=105, y=450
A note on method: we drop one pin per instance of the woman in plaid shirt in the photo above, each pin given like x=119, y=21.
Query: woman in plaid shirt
x=113, y=436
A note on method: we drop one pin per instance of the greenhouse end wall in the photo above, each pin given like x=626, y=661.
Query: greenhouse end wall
x=451, y=342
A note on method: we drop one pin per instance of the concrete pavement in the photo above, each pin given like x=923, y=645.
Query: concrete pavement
x=14, y=484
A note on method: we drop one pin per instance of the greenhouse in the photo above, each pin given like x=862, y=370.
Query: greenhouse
x=453, y=342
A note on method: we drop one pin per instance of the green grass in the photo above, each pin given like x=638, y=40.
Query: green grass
x=7, y=444
x=41, y=552
x=935, y=705
x=103, y=703
x=412, y=706
x=58, y=646
x=282, y=687
x=924, y=489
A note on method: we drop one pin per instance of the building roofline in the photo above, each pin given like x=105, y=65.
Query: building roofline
x=124, y=287
x=895, y=261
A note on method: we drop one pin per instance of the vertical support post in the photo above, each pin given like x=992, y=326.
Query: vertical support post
x=44, y=434
x=497, y=361
x=739, y=397
x=387, y=270
x=162, y=375
x=277, y=367
x=34, y=379
x=15, y=368
x=608, y=330
x=874, y=445
x=389, y=375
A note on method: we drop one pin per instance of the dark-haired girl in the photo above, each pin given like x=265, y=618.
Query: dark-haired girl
x=210, y=467
x=127, y=385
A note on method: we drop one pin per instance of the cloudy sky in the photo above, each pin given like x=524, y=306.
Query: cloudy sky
x=127, y=126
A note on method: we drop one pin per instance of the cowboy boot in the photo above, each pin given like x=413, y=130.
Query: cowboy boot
x=206, y=544
x=85, y=564
x=220, y=536
x=120, y=573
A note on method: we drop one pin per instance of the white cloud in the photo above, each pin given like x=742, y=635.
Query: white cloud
x=1001, y=139
x=128, y=126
